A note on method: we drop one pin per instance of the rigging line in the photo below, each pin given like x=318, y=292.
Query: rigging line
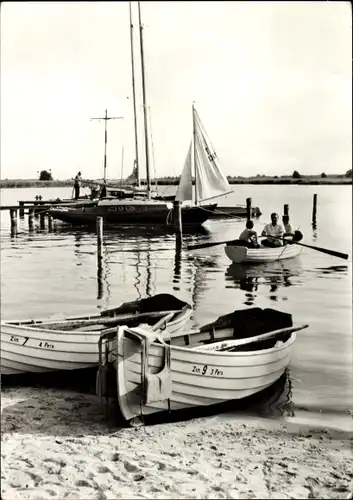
x=122, y=150
x=152, y=145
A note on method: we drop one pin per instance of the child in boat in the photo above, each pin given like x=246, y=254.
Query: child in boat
x=288, y=230
x=249, y=235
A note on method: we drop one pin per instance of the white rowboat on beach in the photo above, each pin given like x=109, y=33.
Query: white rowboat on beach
x=155, y=375
x=46, y=345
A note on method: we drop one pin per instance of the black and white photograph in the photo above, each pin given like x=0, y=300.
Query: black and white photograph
x=176, y=250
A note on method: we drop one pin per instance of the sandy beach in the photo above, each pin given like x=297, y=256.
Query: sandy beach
x=58, y=444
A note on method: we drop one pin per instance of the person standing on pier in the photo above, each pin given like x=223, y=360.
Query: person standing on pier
x=77, y=185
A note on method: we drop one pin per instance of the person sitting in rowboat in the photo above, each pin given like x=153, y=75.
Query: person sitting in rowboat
x=288, y=230
x=273, y=232
x=249, y=235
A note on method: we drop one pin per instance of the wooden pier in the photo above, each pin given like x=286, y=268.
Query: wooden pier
x=40, y=208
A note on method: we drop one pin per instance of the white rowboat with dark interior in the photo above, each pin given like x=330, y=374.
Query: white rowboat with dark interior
x=45, y=345
x=238, y=355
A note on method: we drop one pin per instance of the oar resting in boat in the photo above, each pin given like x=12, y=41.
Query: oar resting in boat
x=227, y=345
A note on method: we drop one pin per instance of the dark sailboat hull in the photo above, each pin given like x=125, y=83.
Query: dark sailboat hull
x=130, y=214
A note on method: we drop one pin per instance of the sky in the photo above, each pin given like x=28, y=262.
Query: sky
x=271, y=81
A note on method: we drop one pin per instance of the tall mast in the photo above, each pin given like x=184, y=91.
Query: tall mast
x=144, y=106
x=106, y=118
x=194, y=148
x=105, y=145
x=134, y=98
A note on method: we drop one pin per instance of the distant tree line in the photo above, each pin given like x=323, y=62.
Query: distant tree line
x=45, y=175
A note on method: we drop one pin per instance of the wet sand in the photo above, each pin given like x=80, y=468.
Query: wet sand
x=58, y=444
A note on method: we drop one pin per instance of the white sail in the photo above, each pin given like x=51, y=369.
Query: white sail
x=210, y=180
x=184, y=191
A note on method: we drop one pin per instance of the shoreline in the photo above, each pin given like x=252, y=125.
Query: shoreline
x=334, y=180
x=57, y=444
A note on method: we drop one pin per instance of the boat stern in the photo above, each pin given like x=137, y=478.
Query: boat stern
x=236, y=254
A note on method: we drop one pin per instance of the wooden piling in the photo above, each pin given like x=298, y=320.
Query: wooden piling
x=42, y=220
x=50, y=222
x=177, y=219
x=314, y=209
x=99, y=240
x=30, y=218
x=177, y=264
x=99, y=226
x=13, y=217
x=248, y=208
x=22, y=209
x=286, y=210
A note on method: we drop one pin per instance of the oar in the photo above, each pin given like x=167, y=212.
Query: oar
x=207, y=245
x=227, y=344
x=319, y=249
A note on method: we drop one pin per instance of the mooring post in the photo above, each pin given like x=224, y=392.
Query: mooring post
x=99, y=224
x=42, y=220
x=50, y=223
x=99, y=240
x=248, y=208
x=177, y=263
x=13, y=218
x=178, y=220
x=22, y=209
x=314, y=209
x=30, y=218
x=286, y=210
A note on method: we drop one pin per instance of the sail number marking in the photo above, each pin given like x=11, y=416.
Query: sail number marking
x=211, y=156
x=205, y=369
x=17, y=340
x=121, y=208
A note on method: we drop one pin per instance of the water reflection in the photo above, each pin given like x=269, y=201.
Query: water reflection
x=137, y=281
x=271, y=275
x=149, y=288
x=99, y=281
x=177, y=265
x=77, y=246
x=200, y=269
x=315, y=235
x=135, y=231
x=333, y=272
x=277, y=401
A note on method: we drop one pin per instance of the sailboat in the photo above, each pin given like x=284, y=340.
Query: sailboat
x=135, y=210
x=210, y=182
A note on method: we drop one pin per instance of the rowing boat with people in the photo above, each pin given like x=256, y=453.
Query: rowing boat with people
x=238, y=253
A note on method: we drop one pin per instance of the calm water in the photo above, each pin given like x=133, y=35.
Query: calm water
x=46, y=273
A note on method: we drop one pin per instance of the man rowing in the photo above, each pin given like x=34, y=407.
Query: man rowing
x=274, y=233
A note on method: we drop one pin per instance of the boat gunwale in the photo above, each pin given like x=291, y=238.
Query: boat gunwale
x=189, y=349
x=186, y=311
